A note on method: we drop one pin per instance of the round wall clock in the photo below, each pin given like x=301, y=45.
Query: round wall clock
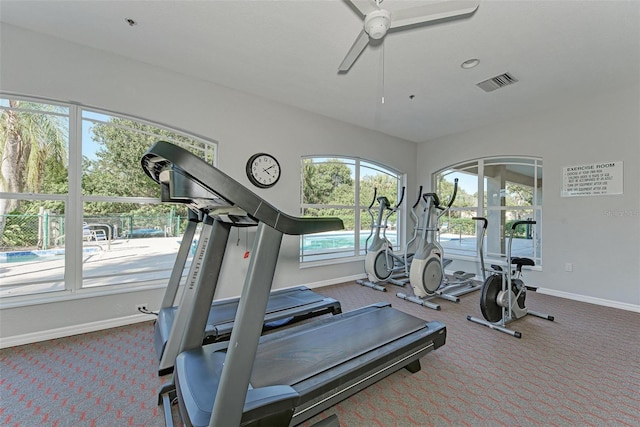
x=263, y=170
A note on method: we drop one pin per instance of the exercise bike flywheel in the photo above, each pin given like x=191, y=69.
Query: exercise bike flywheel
x=491, y=288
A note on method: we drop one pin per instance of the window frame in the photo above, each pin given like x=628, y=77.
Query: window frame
x=358, y=250
x=75, y=200
x=483, y=209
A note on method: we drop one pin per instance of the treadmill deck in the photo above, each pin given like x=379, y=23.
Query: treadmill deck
x=343, y=355
x=298, y=303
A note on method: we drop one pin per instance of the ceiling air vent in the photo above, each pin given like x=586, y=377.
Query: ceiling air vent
x=497, y=82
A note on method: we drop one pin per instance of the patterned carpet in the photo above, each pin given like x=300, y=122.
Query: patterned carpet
x=583, y=369
x=107, y=378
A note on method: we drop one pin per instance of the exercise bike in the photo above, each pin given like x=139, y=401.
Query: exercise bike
x=503, y=295
x=381, y=263
x=427, y=271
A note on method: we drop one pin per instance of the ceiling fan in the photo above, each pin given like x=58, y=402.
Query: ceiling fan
x=378, y=21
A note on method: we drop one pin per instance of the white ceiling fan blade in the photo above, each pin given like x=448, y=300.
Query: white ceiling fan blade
x=433, y=12
x=364, y=6
x=358, y=46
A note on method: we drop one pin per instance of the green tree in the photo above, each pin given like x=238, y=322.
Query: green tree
x=33, y=146
x=519, y=195
x=383, y=184
x=326, y=183
x=116, y=169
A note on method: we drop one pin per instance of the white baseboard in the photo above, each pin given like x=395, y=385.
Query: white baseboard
x=592, y=300
x=72, y=330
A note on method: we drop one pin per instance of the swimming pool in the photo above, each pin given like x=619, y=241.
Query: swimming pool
x=37, y=255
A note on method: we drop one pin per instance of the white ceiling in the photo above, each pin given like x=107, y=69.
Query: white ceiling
x=289, y=51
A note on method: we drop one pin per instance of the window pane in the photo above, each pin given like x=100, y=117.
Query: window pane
x=385, y=183
x=328, y=182
x=133, y=243
x=467, y=195
x=525, y=239
x=33, y=248
x=329, y=188
x=34, y=147
x=112, y=148
x=458, y=232
x=333, y=244
x=510, y=184
x=512, y=191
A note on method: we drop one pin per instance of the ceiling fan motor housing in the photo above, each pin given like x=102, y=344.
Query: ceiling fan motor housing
x=377, y=23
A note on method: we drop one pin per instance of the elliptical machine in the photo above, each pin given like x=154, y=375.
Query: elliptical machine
x=381, y=263
x=427, y=275
x=503, y=293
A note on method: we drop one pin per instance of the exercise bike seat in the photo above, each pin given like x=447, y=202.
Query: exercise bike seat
x=521, y=261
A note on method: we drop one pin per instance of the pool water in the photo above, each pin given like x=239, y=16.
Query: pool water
x=35, y=255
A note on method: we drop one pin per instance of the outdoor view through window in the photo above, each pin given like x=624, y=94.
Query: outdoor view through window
x=76, y=209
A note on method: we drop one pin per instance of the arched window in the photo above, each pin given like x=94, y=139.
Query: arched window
x=77, y=211
x=502, y=189
x=344, y=187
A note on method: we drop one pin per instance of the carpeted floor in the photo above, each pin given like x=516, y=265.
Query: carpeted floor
x=583, y=369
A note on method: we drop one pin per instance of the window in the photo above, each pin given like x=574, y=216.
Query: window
x=344, y=187
x=503, y=190
x=77, y=211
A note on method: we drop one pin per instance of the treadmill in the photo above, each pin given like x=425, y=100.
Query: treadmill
x=285, y=306
x=286, y=377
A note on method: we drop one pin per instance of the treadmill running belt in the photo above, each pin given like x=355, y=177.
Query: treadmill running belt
x=329, y=345
x=226, y=311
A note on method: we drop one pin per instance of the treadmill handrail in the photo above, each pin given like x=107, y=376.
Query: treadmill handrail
x=225, y=191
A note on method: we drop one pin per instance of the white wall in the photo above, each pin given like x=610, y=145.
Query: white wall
x=599, y=235
x=33, y=64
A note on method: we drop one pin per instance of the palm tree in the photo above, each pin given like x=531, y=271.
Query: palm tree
x=30, y=139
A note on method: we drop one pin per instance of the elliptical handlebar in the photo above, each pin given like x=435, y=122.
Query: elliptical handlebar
x=394, y=209
x=415, y=205
x=451, y=200
x=453, y=196
x=399, y=201
x=373, y=201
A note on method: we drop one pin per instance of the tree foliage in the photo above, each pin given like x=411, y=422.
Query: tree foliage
x=327, y=183
x=331, y=183
x=33, y=144
x=116, y=169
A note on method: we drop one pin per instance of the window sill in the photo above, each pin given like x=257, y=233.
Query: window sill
x=331, y=261
x=61, y=296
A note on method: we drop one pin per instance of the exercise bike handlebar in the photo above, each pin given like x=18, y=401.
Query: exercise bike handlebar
x=513, y=230
x=485, y=223
x=517, y=223
x=480, y=244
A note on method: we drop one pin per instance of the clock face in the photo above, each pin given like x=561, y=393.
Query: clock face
x=263, y=170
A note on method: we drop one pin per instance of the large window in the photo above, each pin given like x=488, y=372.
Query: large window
x=76, y=210
x=344, y=187
x=504, y=190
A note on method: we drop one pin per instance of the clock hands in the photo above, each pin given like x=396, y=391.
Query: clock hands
x=267, y=169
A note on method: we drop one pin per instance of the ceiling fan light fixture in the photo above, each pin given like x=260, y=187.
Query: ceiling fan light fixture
x=377, y=23
x=470, y=63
